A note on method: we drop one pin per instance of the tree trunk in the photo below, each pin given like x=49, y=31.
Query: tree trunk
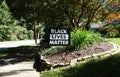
x=35, y=29
x=87, y=26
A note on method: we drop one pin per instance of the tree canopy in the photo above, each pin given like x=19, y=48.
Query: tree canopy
x=70, y=13
x=61, y=13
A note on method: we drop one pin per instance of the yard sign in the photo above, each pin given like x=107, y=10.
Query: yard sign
x=58, y=36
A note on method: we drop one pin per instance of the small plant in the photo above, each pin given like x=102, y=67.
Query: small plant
x=118, y=27
x=81, y=39
x=112, y=33
x=53, y=50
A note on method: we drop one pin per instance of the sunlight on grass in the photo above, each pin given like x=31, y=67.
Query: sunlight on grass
x=94, y=67
x=102, y=67
x=3, y=54
x=114, y=40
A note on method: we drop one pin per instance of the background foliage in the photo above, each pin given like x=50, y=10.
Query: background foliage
x=14, y=33
x=6, y=17
x=110, y=30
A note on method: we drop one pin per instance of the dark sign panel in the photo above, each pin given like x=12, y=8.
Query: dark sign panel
x=58, y=36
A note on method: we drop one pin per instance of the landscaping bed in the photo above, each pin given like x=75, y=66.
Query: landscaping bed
x=66, y=57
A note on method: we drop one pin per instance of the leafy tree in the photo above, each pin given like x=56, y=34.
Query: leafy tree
x=114, y=11
x=5, y=15
x=27, y=10
x=111, y=11
x=54, y=13
x=70, y=13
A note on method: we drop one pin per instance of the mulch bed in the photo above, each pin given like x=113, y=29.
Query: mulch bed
x=66, y=57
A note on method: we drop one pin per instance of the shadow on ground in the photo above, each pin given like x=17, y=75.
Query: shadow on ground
x=18, y=54
x=105, y=68
x=109, y=67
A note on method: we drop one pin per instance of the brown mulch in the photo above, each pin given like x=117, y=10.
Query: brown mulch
x=66, y=57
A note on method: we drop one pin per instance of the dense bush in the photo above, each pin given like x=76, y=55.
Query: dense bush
x=117, y=27
x=81, y=39
x=110, y=31
x=12, y=33
x=30, y=34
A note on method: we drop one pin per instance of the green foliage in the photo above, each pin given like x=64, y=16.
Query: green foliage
x=30, y=34
x=3, y=55
x=110, y=31
x=69, y=13
x=118, y=27
x=6, y=33
x=41, y=28
x=114, y=40
x=12, y=33
x=5, y=15
x=57, y=13
x=53, y=50
x=81, y=39
x=22, y=33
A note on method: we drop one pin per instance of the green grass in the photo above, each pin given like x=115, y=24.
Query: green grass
x=3, y=54
x=109, y=67
x=98, y=67
x=114, y=40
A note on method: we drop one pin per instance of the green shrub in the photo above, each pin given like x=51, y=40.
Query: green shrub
x=22, y=33
x=6, y=33
x=81, y=39
x=13, y=33
x=110, y=31
x=104, y=29
x=53, y=50
x=30, y=34
x=118, y=27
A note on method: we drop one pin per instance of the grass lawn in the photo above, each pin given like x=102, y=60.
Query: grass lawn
x=100, y=67
x=3, y=54
x=114, y=40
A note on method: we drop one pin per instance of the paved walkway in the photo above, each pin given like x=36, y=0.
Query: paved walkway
x=9, y=44
x=17, y=65
x=23, y=69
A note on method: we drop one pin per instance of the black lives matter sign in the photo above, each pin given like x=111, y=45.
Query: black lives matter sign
x=58, y=36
